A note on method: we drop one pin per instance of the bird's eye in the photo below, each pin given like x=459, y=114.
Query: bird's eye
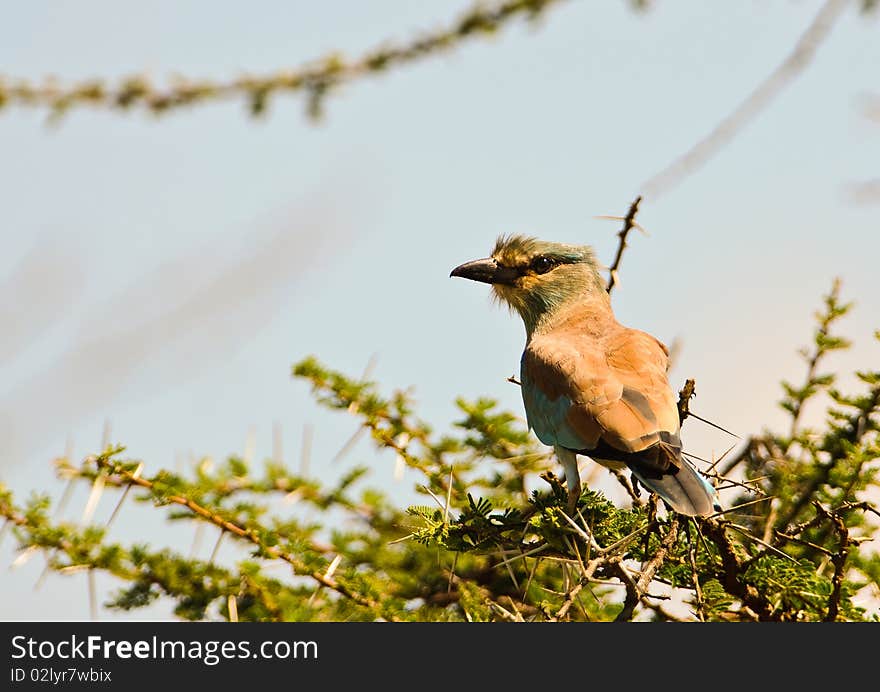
x=542, y=265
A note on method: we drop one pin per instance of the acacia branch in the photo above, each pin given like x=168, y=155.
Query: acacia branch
x=838, y=559
x=813, y=358
x=572, y=594
x=251, y=535
x=53, y=542
x=636, y=592
x=856, y=426
x=315, y=78
x=732, y=569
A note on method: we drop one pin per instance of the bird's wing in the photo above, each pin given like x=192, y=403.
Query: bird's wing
x=646, y=411
x=585, y=393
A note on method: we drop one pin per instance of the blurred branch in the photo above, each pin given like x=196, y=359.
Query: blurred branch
x=797, y=61
x=117, y=344
x=870, y=105
x=31, y=305
x=867, y=192
x=315, y=78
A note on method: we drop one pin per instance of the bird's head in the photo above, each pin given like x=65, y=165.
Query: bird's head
x=536, y=277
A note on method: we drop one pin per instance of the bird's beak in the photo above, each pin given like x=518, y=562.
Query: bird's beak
x=486, y=270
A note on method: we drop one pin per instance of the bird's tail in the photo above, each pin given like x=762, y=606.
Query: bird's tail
x=684, y=489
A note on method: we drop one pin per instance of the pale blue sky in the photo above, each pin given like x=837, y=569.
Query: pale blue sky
x=179, y=266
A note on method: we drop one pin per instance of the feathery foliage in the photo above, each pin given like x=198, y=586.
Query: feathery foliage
x=493, y=541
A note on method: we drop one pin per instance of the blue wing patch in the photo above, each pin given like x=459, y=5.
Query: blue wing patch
x=548, y=417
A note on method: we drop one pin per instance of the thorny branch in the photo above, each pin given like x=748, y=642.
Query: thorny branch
x=732, y=569
x=629, y=222
x=54, y=542
x=248, y=534
x=838, y=559
x=796, y=397
x=570, y=597
x=823, y=471
x=635, y=592
x=316, y=78
x=813, y=359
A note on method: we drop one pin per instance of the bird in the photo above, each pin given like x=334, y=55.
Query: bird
x=590, y=385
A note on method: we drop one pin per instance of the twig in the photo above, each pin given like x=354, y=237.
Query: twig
x=629, y=222
x=216, y=548
x=331, y=568
x=507, y=566
x=197, y=540
x=94, y=497
x=137, y=472
x=635, y=595
x=452, y=573
x=232, y=607
x=570, y=597
x=855, y=423
x=770, y=521
x=838, y=559
x=522, y=556
x=607, y=550
x=277, y=442
x=721, y=458
x=813, y=361
x=587, y=572
x=448, y=497
x=68, y=489
x=665, y=614
x=773, y=549
x=730, y=482
x=685, y=394
x=534, y=569
x=630, y=489
x=714, y=425
x=740, y=506
x=93, y=595
x=695, y=576
x=349, y=444
x=809, y=544
x=305, y=455
x=732, y=568
x=641, y=229
x=588, y=538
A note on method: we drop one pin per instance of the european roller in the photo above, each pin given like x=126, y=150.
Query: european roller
x=590, y=385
